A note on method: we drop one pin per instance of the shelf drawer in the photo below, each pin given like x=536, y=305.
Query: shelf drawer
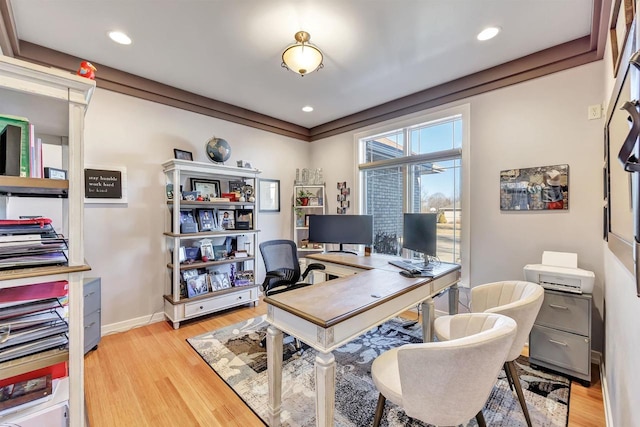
x=91, y=292
x=217, y=303
x=560, y=348
x=570, y=313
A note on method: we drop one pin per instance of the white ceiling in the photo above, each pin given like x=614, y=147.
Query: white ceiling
x=230, y=50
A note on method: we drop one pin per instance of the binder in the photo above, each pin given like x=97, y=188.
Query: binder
x=10, y=151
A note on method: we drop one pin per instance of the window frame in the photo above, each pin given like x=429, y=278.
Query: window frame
x=406, y=124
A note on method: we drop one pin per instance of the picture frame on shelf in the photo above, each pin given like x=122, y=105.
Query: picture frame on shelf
x=197, y=285
x=269, y=195
x=221, y=281
x=220, y=251
x=206, y=220
x=226, y=219
x=190, y=196
x=236, y=186
x=189, y=274
x=206, y=250
x=182, y=254
x=208, y=188
x=188, y=222
x=182, y=154
x=244, y=219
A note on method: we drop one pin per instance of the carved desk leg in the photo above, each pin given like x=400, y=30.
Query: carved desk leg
x=274, y=374
x=325, y=388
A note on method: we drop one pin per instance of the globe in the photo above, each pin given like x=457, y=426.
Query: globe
x=218, y=150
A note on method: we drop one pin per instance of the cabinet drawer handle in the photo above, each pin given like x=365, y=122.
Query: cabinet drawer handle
x=564, y=344
x=89, y=294
x=90, y=325
x=560, y=307
x=202, y=307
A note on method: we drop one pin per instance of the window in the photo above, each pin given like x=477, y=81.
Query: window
x=416, y=166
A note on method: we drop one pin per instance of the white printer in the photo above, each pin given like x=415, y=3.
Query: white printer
x=559, y=271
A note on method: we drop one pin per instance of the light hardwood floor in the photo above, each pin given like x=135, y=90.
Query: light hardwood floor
x=150, y=376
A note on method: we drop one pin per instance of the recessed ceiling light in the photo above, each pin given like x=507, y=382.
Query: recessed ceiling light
x=307, y=108
x=119, y=37
x=488, y=33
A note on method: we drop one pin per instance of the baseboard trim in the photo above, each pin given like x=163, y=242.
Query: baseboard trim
x=113, y=328
x=605, y=395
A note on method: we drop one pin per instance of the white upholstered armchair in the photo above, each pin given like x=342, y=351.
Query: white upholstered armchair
x=517, y=299
x=446, y=383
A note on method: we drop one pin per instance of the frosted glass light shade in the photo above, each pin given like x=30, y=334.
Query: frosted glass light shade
x=302, y=57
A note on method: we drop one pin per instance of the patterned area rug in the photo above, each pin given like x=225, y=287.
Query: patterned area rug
x=235, y=355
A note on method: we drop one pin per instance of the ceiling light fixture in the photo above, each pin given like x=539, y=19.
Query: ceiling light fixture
x=119, y=37
x=307, y=108
x=302, y=57
x=488, y=33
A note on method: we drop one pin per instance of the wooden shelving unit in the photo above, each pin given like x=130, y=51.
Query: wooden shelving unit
x=179, y=308
x=55, y=102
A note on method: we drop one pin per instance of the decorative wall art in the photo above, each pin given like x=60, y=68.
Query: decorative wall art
x=537, y=188
x=343, y=203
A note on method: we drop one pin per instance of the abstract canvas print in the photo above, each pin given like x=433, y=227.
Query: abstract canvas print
x=537, y=188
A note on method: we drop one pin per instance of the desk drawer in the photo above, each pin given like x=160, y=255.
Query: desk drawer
x=561, y=349
x=218, y=303
x=570, y=313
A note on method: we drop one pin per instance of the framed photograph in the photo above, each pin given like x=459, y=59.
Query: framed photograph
x=182, y=254
x=269, y=195
x=206, y=220
x=221, y=281
x=197, y=285
x=537, y=188
x=236, y=186
x=206, y=250
x=244, y=219
x=226, y=219
x=182, y=155
x=208, y=188
x=186, y=215
x=220, y=251
x=189, y=274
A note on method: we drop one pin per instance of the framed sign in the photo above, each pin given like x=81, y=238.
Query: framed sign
x=269, y=195
x=105, y=184
x=209, y=189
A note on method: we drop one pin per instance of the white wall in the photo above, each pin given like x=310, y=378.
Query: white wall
x=535, y=123
x=622, y=316
x=124, y=243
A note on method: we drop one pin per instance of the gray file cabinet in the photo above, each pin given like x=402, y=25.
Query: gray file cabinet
x=91, y=313
x=561, y=336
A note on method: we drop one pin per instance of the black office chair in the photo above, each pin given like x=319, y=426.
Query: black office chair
x=283, y=270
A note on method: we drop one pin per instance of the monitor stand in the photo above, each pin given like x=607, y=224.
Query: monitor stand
x=341, y=250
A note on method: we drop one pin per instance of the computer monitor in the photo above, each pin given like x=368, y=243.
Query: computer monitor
x=341, y=229
x=419, y=233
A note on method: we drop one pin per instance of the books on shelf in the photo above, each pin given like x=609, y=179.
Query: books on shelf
x=11, y=140
x=20, y=149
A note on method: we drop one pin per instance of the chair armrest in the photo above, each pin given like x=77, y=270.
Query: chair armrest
x=310, y=267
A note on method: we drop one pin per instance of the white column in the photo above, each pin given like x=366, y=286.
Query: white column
x=325, y=388
x=274, y=374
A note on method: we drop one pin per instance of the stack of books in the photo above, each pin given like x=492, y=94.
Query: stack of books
x=30, y=243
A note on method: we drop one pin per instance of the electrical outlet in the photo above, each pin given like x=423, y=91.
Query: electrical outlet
x=594, y=112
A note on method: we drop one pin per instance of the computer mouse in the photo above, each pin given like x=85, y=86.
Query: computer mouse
x=406, y=273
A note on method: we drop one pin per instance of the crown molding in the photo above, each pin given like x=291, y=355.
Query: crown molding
x=567, y=55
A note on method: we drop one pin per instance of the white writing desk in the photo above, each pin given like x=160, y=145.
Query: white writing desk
x=328, y=315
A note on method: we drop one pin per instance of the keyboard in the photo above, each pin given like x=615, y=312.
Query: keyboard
x=404, y=265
